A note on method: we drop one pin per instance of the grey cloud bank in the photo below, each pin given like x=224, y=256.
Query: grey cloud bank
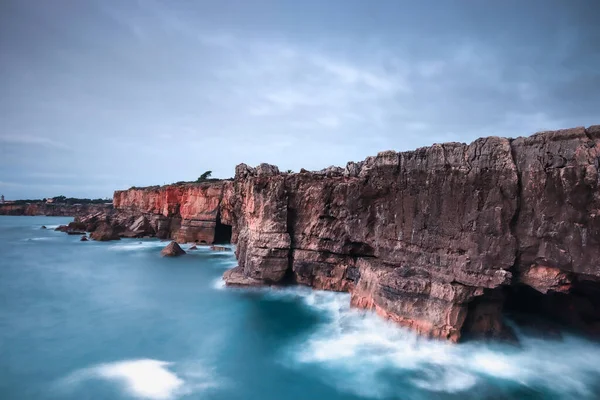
x=101, y=95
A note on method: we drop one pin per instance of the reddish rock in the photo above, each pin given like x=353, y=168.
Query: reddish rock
x=105, y=232
x=186, y=212
x=439, y=239
x=236, y=277
x=544, y=279
x=172, y=250
x=429, y=237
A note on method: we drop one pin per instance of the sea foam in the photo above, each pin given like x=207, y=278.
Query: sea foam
x=363, y=354
x=147, y=378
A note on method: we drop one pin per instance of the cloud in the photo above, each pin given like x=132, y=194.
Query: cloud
x=33, y=140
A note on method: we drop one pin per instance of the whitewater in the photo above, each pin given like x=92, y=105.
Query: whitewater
x=90, y=320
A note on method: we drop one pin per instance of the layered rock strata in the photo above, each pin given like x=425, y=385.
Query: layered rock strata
x=431, y=238
x=443, y=239
x=185, y=213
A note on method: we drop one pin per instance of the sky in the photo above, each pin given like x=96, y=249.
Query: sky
x=99, y=95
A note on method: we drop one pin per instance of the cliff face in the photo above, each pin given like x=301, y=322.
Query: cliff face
x=186, y=213
x=431, y=238
x=55, y=210
x=443, y=239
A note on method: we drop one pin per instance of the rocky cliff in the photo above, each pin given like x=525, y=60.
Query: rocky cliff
x=187, y=212
x=445, y=239
x=438, y=239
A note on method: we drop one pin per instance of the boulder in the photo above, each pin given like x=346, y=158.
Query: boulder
x=74, y=228
x=105, y=232
x=193, y=247
x=83, y=238
x=43, y=227
x=172, y=250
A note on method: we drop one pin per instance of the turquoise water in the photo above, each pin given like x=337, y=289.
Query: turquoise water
x=89, y=320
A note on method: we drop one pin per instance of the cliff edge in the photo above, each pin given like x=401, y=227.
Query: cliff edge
x=438, y=239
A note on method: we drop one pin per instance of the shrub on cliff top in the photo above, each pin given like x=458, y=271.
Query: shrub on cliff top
x=204, y=176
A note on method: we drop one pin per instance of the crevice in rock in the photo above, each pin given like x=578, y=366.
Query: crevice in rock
x=222, y=231
x=548, y=314
x=289, y=277
x=515, y=218
x=485, y=318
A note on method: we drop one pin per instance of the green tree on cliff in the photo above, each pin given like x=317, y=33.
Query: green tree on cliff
x=205, y=176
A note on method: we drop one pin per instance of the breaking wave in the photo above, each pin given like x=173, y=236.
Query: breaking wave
x=135, y=245
x=358, y=352
x=147, y=379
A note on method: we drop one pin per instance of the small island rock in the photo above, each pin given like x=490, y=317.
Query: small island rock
x=172, y=250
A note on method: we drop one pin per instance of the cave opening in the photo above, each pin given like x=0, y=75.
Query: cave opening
x=577, y=311
x=222, y=232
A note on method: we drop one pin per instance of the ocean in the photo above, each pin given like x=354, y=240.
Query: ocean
x=115, y=320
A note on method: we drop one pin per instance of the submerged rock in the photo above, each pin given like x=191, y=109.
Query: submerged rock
x=219, y=248
x=43, y=227
x=172, y=250
x=193, y=247
x=83, y=238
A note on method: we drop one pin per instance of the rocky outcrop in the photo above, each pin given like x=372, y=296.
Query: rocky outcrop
x=443, y=239
x=73, y=228
x=172, y=250
x=186, y=213
x=429, y=238
x=105, y=232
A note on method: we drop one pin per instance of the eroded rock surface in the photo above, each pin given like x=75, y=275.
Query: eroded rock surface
x=429, y=238
x=439, y=239
x=172, y=250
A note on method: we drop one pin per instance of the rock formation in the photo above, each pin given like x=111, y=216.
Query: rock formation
x=105, y=232
x=172, y=250
x=443, y=239
x=432, y=238
x=185, y=213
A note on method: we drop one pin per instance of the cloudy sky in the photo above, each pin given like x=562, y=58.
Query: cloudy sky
x=103, y=95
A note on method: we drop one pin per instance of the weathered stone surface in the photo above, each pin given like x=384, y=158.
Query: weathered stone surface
x=172, y=250
x=186, y=212
x=438, y=239
x=105, y=232
x=73, y=228
x=429, y=237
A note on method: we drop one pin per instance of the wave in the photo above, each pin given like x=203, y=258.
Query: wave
x=135, y=245
x=363, y=354
x=147, y=378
